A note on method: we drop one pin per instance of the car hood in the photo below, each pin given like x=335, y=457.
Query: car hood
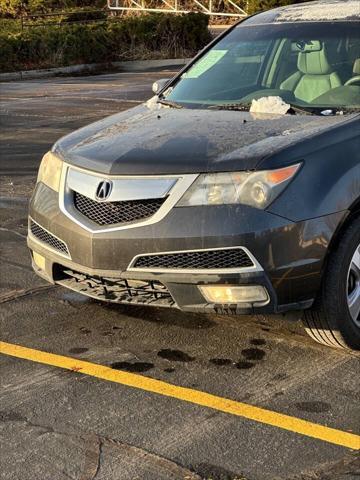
x=150, y=140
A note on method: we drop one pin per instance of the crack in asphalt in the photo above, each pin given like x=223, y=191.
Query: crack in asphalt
x=348, y=465
x=2, y=229
x=92, y=459
x=15, y=294
x=160, y=462
x=95, y=444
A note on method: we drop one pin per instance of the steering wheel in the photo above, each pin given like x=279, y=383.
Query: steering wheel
x=352, y=80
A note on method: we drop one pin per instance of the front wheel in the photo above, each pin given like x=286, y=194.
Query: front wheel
x=334, y=319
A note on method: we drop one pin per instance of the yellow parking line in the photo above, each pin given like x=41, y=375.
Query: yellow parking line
x=268, y=417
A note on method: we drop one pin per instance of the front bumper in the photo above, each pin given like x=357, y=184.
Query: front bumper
x=147, y=288
x=290, y=255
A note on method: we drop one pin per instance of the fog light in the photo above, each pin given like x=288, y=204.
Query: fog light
x=239, y=294
x=39, y=260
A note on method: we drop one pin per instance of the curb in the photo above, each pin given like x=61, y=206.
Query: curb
x=129, y=66
x=143, y=65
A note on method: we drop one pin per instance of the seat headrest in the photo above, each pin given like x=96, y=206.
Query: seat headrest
x=356, y=67
x=314, y=63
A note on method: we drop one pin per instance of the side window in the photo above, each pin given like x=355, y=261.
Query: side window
x=342, y=56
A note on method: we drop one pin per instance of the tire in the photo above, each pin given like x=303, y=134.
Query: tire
x=329, y=321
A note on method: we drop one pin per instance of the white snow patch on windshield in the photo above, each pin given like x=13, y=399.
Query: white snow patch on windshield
x=275, y=105
x=316, y=12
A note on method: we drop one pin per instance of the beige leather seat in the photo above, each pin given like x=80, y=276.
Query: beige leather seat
x=356, y=67
x=314, y=77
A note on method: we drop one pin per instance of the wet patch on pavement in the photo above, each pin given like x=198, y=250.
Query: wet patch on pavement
x=160, y=316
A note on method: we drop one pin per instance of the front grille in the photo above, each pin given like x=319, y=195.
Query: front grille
x=202, y=259
x=46, y=237
x=115, y=289
x=110, y=213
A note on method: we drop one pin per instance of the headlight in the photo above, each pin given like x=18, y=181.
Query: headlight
x=50, y=171
x=257, y=189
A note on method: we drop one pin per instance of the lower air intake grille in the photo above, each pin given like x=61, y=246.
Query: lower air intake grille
x=202, y=259
x=140, y=292
x=110, y=213
x=45, y=237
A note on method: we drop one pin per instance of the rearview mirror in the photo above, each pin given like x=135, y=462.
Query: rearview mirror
x=159, y=85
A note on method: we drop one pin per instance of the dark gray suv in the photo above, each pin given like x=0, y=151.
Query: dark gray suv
x=234, y=190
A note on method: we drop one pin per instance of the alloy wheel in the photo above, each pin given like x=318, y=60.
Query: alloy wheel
x=353, y=287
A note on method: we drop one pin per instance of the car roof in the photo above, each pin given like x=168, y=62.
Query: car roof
x=317, y=11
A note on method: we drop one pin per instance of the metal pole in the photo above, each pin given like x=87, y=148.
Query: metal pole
x=21, y=14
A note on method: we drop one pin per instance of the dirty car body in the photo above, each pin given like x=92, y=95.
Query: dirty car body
x=192, y=190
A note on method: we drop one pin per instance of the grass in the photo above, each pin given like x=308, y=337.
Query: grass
x=129, y=38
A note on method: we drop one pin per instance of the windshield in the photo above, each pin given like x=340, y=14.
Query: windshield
x=309, y=65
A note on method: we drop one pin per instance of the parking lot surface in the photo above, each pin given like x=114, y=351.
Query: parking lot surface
x=96, y=391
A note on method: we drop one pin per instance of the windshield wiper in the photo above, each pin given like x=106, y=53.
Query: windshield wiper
x=169, y=103
x=294, y=109
x=240, y=107
x=245, y=107
x=321, y=111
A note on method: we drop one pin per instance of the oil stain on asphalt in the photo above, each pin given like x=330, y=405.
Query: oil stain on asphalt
x=133, y=367
x=253, y=353
x=175, y=355
x=250, y=355
x=78, y=350
x=244, y=365
x=258, y=341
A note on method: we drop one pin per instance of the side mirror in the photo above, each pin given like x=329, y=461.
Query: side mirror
x=159, y=85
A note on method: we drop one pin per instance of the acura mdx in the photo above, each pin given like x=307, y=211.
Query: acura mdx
x=234, y=190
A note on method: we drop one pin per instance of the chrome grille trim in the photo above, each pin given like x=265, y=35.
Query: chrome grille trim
x=256, y=267
x=123, y=188
x=180, y=184
x=41, y=235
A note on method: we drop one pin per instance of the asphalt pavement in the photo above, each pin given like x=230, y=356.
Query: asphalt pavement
x=63, y=417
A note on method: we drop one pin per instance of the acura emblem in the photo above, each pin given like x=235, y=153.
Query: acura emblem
x=103, y=190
